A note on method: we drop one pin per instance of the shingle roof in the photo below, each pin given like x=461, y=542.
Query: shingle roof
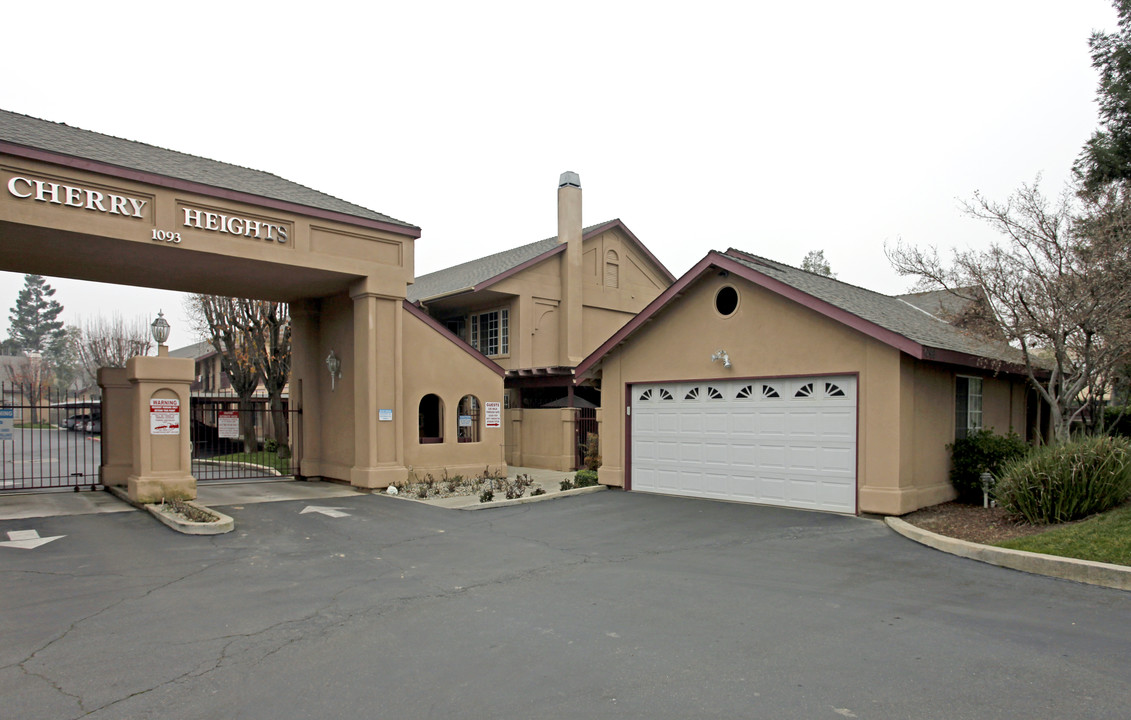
x=193, y=351
x=891, y=313
x=65, y=140
x=469, y=274
x=943, y=304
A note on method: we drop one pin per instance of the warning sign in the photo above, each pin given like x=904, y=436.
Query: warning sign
x=229, y=423
x=493, y=414
x=164, y=416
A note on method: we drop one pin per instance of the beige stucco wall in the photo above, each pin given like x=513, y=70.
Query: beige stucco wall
x=905, y=407
x=438, y=366
x=543, y=437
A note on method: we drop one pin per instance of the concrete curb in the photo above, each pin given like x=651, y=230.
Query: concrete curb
x=224, y=524
x=1083, y=571
x=534, y=498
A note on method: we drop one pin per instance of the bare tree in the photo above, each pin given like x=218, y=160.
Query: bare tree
x=222, y=319
x=111, y=342
x=1058, y=284
x=31, y=375
x=269, y=327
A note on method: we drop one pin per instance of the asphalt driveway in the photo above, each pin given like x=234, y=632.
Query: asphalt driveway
x=605, y=605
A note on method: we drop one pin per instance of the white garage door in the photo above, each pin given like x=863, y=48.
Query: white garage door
x=789, y=442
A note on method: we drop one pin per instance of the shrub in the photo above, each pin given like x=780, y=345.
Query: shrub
x=537, y=491
x=271, y=445
x=592, y=452
x=566, y=485
x=1067, y=482
x=981, y=451
x=486, y=496
x=1117, y=421
x=585, y=478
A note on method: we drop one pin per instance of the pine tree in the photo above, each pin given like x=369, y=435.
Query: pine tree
x=1106, y=157
x=34, y=321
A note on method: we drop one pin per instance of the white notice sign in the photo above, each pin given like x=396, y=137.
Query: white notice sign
x=164, y=416
x=228, y=422
x=7, y=422
x=493, y=414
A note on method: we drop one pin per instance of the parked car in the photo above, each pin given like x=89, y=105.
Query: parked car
x=76, y=422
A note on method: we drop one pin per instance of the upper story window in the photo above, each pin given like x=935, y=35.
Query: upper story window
x=967, y=406
x=490, y=333
x=458, y=327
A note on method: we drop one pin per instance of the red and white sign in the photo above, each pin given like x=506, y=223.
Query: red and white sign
x=164, y=416
x=229, y=423
x=493, y=414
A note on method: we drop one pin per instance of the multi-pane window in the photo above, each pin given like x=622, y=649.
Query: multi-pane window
x=490, y=332
x=967, y=406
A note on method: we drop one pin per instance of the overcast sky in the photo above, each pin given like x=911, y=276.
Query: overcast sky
x=777, y=128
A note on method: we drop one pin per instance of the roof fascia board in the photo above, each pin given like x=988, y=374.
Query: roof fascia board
x=642, y=317
x=618, y=223
x=149, y=178
x=716, y=259
x=435, y=325
x=872, y=330
x=516, y=269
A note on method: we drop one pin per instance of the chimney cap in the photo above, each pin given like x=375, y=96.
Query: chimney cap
x=569, y=178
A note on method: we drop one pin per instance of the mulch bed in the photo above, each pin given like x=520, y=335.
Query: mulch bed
x=988, y=526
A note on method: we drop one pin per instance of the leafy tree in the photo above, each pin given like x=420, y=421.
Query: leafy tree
x=1058, y=284
x=1106, y=156
x=34, y=321
x=816, y=263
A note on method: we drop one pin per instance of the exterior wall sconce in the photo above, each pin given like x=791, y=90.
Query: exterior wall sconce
x=334, y=365
x=721, y=355
x=160, y=330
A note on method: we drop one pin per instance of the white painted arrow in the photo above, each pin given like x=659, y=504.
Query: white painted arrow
x=329, y=511
x=27, y=539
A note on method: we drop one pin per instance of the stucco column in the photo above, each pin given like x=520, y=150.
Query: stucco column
x=307, y=369
x=117, y=427
x=162, y=457
x=377, y=367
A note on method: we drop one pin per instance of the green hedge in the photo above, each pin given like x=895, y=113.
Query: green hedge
x=1067, y=482
x=585, y=478
x=981, y=451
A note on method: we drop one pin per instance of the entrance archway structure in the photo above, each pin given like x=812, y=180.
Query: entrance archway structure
x=82, y=205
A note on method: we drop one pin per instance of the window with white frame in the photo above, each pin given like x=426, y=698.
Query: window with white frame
x=967, y=406
x=490, y=332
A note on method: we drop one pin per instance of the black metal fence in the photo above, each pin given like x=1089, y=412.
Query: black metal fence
x=234, y=440
x=585, y=424
x=48, y=438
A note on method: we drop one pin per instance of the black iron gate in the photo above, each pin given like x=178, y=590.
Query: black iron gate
x=584, y=425
x=48, y=438
x=237, y=440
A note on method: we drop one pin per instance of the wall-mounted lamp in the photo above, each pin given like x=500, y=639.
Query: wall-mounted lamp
x=334, y=365
x=160, y=330
x=721, y=355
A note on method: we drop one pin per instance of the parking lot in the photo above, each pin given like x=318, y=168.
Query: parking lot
x=607, y=605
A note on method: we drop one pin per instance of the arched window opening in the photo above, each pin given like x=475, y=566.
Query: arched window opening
x=469, y=419
x=612, y=269
x=431, y=419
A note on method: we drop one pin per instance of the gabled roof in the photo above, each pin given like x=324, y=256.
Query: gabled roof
x=456, y=340
x=890, y=320
x=22, y=131
x=486, y=271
